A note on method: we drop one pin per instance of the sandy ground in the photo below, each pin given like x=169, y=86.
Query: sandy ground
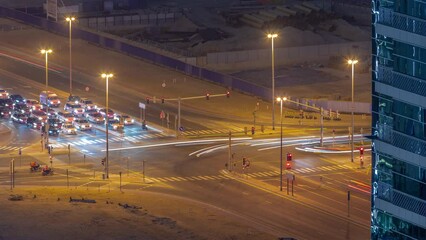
x=47, y=213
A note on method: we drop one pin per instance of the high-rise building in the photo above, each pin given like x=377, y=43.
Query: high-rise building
x=398, y=209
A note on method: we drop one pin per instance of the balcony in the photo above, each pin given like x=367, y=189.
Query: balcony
x=401, y=21
x=401, y=81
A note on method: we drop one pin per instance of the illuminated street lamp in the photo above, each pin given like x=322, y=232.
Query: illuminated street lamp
x=70, y=20
x=272, y=36
x=352, y=62
x=281, y=99
x=106, y=76
x=46, y=52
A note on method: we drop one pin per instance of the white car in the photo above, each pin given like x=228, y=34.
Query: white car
x=95, y=118
x=125, y=119
x=68, y=128
x=87, y=104
x=82, y=124
x=4, y=94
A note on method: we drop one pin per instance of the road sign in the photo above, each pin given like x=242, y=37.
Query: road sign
x=163, y=84
x=162, y=115
x=141, y=105
x=181, y=129
x=87, y=89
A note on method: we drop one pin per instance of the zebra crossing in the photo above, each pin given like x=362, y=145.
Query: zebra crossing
x=133, y=139
x=9, y=148
x=252, y=175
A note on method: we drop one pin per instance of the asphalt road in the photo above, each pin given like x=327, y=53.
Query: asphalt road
x=318, y=208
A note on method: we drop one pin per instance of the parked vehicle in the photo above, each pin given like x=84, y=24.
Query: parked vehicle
x=49, y=99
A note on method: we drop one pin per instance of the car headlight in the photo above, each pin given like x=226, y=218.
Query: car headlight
x=59, y=101
x=133, y=120
x=40, y=118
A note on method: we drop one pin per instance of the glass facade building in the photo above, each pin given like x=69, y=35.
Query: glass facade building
x=398, y=209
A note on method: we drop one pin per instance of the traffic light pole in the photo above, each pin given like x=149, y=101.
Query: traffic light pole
x=179, y=100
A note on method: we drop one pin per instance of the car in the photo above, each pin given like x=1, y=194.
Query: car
x=49, y=99
x=3, y=94
x=89, y=111
x=74, y=99
x=115, y=124
x=55, y=122
x=5, y=112
x=6, y=102
x=42, y=116
x=16, y=98
x=111, y=113
x=53, y=131
x=50, y=112
x=21, y=108
x=87, y=104
x=31, y=102
x=125, y=119
x=19, y=118
x=74, y=108
x=66, y=116
x=34, y=123
x=95, y=118
x=68, y=128
x=82, y=124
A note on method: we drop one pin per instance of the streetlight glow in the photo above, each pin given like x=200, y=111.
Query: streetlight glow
x=44, y=51
x=106, y=75
x=274, y=35
x=69, y=19
x=352, y=61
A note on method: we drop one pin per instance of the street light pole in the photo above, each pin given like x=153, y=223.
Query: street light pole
x=272, y=36
x=70, y=20
x=281, y=140
x=352, y=62
x=46, y=53
x=106, y=76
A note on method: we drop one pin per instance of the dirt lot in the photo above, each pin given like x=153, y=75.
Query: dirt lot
x=47, y=213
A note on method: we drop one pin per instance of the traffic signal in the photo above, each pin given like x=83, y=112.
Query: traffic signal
x=227, y=94
x=244, y=161
x=289, y=157
x=162, y=100
x=288, y=165
x=252, y=130
x=207, y=96
x=48, y=149
x=361, y=151
x=147, y=100
x=103, y=161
